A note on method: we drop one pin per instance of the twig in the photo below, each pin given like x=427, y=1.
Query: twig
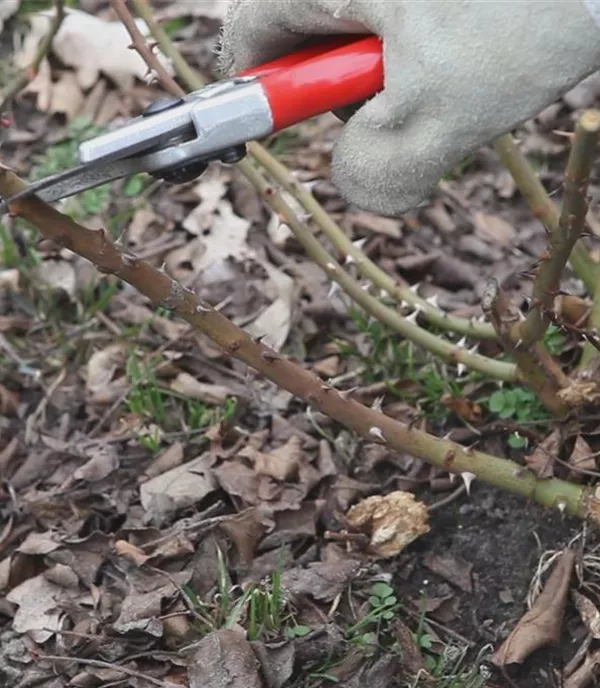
x=97, y=247
x=114, y=667
x=448, y=499
x=542, y=206
x=25, y=76
x=368, y=269
x=189, y=76
x=538, y=368
x=139, y=43
x=499, y=370
x=570, y=227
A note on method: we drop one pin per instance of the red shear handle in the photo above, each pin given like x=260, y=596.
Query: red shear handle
x=320, y=78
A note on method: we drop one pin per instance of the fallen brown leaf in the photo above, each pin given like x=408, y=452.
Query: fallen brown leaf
x=588, y=612
x=582, y=457
x=282, y=463
x=246, y=529
x=462, y=407
x=541, y=625
x=189, y=387
x=131, y=552
x=453, y=569
x=180, y=487
x=224, y=659
x=170, y=458
x=494, y=229
x=321, y=580
x=587, y=674
x=541, y=460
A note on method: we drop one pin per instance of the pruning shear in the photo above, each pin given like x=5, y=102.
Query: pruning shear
x=176, y=138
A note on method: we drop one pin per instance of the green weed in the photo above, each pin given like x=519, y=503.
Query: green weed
x=261, y=608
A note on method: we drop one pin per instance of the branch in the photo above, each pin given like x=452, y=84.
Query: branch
x=189, y=76
x=27, y=75
x=568, y=231
x=97, y=247
x=372, y=305
x=542, y=206
x=538, y=368
x=367, y=268
x=140, y=44
x=450, y=352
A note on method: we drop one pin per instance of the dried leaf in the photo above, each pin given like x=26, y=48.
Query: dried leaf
x=587, y=674
x=541, y=460
x=392, y=521
x=246, y=529
x=454, y=569
x=103, y=462
x=375, y=223
x=589, y=613
x=180, y=487
x=541, y=625
x=140, y=611
x=462, y=407
x=131, y=552
x=327, y=367
x=103, y=365
x=224, y=659
x=56, y=275
x=9, y=279
x=165, y=461
x=581, y=457
x=39, y=603
x=282, y=463
x=91, y=46
x=189, y=387
x=39, y=543
x=66, y=97
x=494, y=229
x=321, y=580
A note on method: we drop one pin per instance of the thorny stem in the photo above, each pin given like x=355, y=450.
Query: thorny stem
x=188, y=75
x=97, y=247
x=319, y=215
x=365, y=265
x=139, y=43
x=372, y=305
x=542, y=205
x=538, y=368
x=495, y=369
x=570, y=227
x=25, y=76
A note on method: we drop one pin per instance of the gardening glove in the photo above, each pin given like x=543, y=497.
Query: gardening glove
x=458, y=73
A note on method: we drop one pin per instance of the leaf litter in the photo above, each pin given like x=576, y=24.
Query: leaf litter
x=159, y=499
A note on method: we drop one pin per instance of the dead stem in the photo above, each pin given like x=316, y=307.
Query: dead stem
x=538, y=368
x=25, y=76
x=568, y=231
x=97, y=247
x=542, y=207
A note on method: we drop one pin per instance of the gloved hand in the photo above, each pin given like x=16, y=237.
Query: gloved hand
x=457, y=75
